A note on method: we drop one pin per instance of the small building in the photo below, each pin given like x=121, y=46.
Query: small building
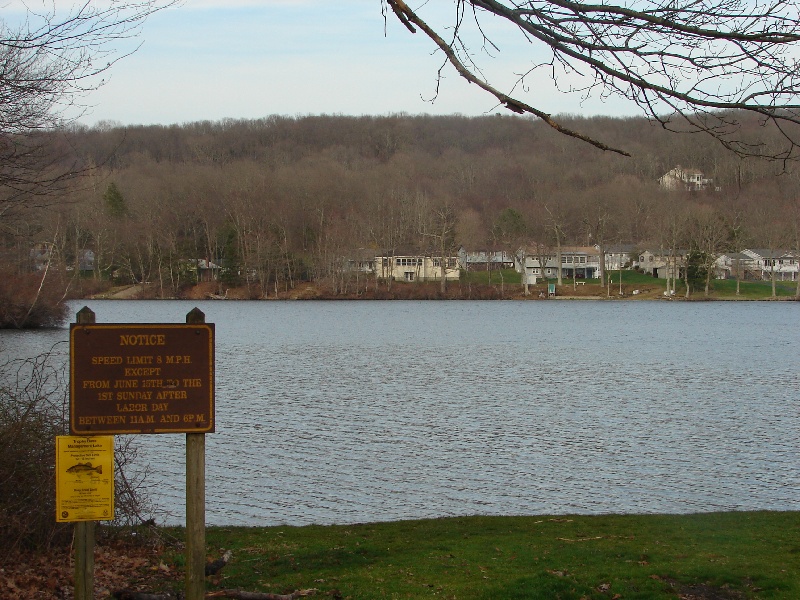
x=86, y=260
x=619, y=256
x=734, y=265
x=663, y=264
x=360, y=261
x=202, y=268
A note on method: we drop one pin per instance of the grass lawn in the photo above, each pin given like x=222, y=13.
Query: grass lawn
x=496, y=277
x=719, y=290
x=706, y=556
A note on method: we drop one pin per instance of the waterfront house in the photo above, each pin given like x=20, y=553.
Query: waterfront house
x=485, y=260
x=581, y=262
x=619, y=256
x=780, y=264
x=417, y=267
x=734, y=265
x=663, y=264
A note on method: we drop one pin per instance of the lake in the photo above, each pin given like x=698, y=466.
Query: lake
x=345, y=412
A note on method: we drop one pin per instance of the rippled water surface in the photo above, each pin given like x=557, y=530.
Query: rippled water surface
x=341, y=412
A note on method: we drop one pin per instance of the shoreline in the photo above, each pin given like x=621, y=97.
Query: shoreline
x=417, y=291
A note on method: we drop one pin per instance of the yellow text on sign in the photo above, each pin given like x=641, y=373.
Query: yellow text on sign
x=84, y=478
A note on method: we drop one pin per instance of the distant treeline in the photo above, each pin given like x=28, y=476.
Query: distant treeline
x=277, y=200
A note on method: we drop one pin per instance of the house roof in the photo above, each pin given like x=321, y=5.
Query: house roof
x=766, y=253
x=737, y=256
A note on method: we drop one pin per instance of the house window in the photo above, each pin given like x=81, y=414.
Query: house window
x=582, y=259
x=569, y=259
x=409, y=275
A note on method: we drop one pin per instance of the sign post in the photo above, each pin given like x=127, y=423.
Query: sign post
x=148, y=378
x=195, y=502
x=84, y=530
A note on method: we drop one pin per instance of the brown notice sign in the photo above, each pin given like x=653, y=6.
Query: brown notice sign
x=141, y=378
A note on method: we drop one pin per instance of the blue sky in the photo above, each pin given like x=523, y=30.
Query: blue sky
x=212, y=59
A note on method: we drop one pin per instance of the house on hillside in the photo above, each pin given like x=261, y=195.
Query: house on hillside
x=690, y=180
x=780, y=263
x=580, y=262
x=417, y=267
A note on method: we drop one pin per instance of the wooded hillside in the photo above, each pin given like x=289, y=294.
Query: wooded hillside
x=280, y=200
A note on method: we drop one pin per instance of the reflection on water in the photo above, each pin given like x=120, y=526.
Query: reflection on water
x=340, y=412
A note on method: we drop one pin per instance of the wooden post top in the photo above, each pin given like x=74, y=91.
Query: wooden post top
x=195, y=316
x=85, y=316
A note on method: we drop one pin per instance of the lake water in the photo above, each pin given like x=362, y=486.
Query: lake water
x=344, y=412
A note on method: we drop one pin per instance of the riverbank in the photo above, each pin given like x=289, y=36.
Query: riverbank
x=714, y=556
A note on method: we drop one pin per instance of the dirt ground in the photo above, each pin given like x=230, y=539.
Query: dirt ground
x=118, y=566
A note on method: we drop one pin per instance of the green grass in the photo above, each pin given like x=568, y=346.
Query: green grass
x=719, y=290
x=717, y=555
x=507, y=276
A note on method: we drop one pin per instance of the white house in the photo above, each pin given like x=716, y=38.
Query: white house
x=733, y=265
x=618, y=256
x=485, y=260
x=680, y=179
x=417, y=267
x=780, y=263
x=581, y=262
x=663, y=264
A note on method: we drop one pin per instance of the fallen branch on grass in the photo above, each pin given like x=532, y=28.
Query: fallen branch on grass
x=129, y=595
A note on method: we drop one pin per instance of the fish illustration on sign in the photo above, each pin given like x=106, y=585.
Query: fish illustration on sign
x=85, y=468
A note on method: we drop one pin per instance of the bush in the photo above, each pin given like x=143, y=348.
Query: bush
x=29, y=301
x=33, y=411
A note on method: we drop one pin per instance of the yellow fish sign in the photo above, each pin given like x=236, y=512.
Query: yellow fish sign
x=84, y=478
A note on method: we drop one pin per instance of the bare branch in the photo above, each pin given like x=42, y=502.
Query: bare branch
x=690, y=65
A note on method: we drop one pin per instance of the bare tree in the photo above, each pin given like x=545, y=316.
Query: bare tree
x=48, y=62
x=690, y=65
x=709, y=236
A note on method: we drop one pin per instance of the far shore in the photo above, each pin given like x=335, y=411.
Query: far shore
x=423, y=291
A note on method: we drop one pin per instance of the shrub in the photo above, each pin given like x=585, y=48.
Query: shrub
x=29, y=301
x=33, y=411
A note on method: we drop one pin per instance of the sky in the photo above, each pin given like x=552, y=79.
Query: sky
x=247, y=59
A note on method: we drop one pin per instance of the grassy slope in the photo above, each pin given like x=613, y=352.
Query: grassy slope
x=719, y=289
x=718, y=555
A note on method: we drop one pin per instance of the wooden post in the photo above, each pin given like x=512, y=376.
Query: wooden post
x=84, y=530
x=195, y=502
